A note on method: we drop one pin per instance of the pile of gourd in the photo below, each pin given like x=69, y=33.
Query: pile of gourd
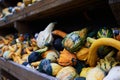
x=11, y=10
x=80, y=55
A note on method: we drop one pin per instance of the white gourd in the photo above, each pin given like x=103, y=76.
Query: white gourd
x=95, y=74
x=45, y=36
x=114, y=74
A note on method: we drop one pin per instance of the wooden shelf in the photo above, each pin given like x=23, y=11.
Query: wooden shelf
x=47, y=8
x=23, y=73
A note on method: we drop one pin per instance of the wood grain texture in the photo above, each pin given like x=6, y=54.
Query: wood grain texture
x=46, y=8
x=23, y=73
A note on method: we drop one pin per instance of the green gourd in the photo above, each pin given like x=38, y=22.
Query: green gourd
x=75, y=40
x=105, y=32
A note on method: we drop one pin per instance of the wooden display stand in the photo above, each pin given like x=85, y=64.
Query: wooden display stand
x=67, y=13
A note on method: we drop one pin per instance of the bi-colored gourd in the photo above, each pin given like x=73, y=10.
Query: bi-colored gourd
x=105, y=32
x=49, y=68
x=92, y=56
x=85, y=71
x=75, y=40
x=52, y=55
x=107, y=63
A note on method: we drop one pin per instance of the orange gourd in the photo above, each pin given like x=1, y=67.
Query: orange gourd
x=66, y=58
x=59, y=33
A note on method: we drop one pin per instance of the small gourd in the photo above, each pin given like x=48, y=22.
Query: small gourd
x=105, y=32
x=85, y=71
x=45, y=37
x=52, y=55
x=57, y=44
x=75, y=40
x=36, y=55
x=66, y=58
x=95, y=74
x=49, y=68
x=114, y=74
x=82, y=54
x=107, y=63
x=66, y=73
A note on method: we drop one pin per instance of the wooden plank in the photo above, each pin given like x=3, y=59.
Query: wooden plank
x=7, y=75
x=45, y=8
x=23, y=73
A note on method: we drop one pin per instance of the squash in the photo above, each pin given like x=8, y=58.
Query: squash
x=19, y=50
x=36, y=55
x=79, y=65
x=66, y=73
x=85, y=71
x=95, y=74
x=114, y=74
x=57, y=44
x=66, y=58
x=52, y=55
x=82, y=54
x=75, y=40
x=105, y=32
x=49, y=68
x=45, y=37
x=102, y=50
x=107, y=63
x=59, y=33
x=5, y=41
x=92, y=60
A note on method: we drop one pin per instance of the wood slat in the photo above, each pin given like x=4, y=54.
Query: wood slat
x=45, y=8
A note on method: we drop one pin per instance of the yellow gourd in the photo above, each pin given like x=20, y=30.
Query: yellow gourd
x=82, y=54
x=85, y=71
x=92, y=56
x=66, y=73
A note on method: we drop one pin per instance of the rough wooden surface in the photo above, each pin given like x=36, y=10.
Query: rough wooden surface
x=46, y=8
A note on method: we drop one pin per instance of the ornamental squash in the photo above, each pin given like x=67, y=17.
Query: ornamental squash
x=75, y=40
x=85, y=71
x=66, y=73
x=95, y=74
x=114, y=74
x=92, y=56
x=82, y=54
x=105, y=32
x=52, y=55
x=49, y=68
x=45, y=37
x=66, y=58
x=36, y=55
x=57, y=44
